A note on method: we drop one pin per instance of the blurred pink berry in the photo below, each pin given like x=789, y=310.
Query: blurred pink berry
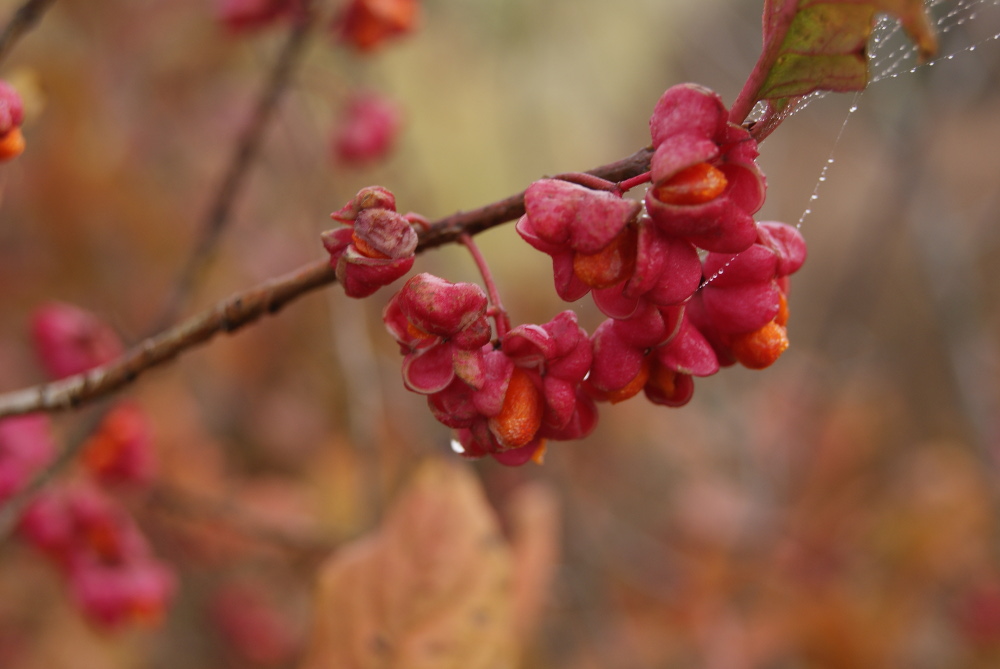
x=26, y=447
x=96, y=544
x=69, y=340
x=367, y=130
x=11, y=108
x=48, y=526
x=367, y=24
x=706, y=185
x=253, y=627
x=247, y=15
x=11, y=117
x=120, y=451
x=133, y=592
x=103, y=529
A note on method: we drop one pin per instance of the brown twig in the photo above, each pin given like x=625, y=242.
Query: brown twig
x=24, y=19
x=247, y=147
x=267, y=298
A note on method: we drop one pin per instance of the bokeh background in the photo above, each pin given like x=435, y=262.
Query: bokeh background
x=838, y=510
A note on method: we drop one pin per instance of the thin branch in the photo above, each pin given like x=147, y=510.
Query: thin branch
x=245, y=153
x=499, y=314
x=189, y=506
x=24, y=19
x=244, y=308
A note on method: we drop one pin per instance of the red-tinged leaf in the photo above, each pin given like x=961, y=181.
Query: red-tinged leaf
x=812, y=45
x=432, y=588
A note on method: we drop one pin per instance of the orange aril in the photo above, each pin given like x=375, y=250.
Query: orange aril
x=612, y=264
x=760, y=348
x=694, y=185
x=11, y=144
x=364, y=249
x=521, y=415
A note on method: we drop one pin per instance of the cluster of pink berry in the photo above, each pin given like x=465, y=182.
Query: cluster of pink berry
x=79, y=524
x=689, y=281
x=112, y=573
x=368, y=124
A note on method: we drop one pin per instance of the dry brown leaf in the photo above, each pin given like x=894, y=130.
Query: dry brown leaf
x=534, y=517
x=431, y=589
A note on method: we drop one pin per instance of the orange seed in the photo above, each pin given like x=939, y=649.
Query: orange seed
x=11, y=144
x=612, y=264
x=363, y=248
x=632, y=388
x=521, y=415
x=760, y=348
x=697, y=184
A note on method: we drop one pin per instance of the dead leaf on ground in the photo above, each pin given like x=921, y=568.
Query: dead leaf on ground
x=431, y=589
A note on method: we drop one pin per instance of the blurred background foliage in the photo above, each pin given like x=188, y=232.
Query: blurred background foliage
x=838, y=510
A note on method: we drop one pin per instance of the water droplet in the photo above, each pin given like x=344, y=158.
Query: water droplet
x=457, y=447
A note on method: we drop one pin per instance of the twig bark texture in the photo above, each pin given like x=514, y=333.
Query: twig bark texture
x=23, y=20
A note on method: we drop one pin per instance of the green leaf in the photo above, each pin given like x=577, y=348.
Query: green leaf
x=812, y=45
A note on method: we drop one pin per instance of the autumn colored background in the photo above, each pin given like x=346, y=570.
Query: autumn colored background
x=838, y=510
